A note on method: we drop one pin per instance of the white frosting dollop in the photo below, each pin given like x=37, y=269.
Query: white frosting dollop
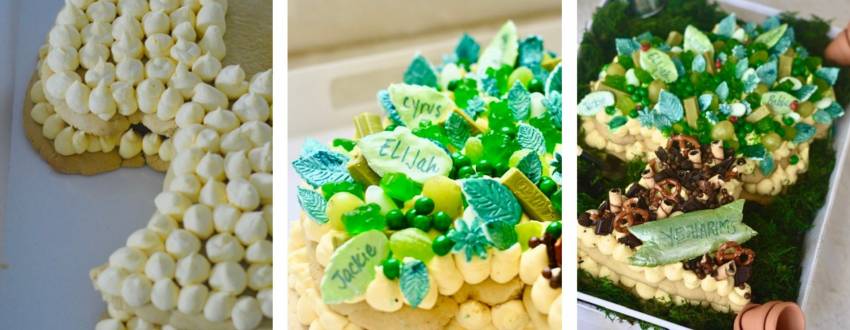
x=246, y=313
x=158, y=45
x=102, y=11
x=97, y=32
x=192, y=269
x=261, y=84
x=185, y=52
x=219, y=306
x=62, y=59
x=92, y=53
x=77, y=97
x=101, y=102
x=130, y=71
x=160, y=68
x=209, y=97
x=231, y=81
x=127, y=25
x=192, y=298
x=250, y=107
x=184, y=31
x=164, y=294
x=124, y=95
x=228, y=276
x=169, y=102
x=184, y=80
x=190, y=113
x=148, y=93
x=131, y=259
x=206, y=67
x=102, y=72
x=127, y=47
x=156, y=22
x=211, y=14
x=136, y=290
x=213, y=42
x=160, y=266
x=64, y=35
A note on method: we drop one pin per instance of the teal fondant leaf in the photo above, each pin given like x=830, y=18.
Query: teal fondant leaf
x=530, y=52
x=828, y=74
x=467, y=49
x=313, y=204
x=531, y=166
x=457, y=130
x=529, y=137
x=553, y=83
x=414, y=281
x=420, y=72
x=322, y=166
x=626, y=46
x=519, y=101
x=552, y=102
x=491, y=200
x=501, y=234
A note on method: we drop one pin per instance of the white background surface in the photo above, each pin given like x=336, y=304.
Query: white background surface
x=55, y=227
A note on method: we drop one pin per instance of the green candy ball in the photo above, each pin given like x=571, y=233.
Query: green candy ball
x=442, y=245
x=442, y=221
x=392, y=267
x=422, y=222
x=424, y=205
x=395, y=219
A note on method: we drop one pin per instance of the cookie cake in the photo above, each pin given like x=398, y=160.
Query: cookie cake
x=445, y=213
x=176, y=85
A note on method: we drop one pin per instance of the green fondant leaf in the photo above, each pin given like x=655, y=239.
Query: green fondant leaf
x=531, y=166
x=491, y=200
x=313, y=204
x=501, y=234
x=414, y=281
x=529, y=137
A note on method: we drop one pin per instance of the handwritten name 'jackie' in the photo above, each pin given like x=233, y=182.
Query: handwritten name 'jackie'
x=355, y=266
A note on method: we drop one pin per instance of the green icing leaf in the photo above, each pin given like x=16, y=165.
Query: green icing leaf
x=420, y=72
x=553, y=83
x=594, y=102
x=457, y=130
x=502, y=50
x=501, y=234
x=659, y=65
x=771, y=37
x=689, y=235
x=491, y=200
x=529, y=137
x=322, y=166
x=352, y=267
x=414, y=282
x=779, y=102
x=531, y=166
x=467, y=50
x=313, y=204
x=697, y=41
x=519, y=101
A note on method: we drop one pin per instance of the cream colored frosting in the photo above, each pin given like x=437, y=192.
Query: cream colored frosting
x=251, y=107
x=185, y=52
x=97, y=32
x=160, y=68
x=63, y=35
x=131, y=259
x=164, y=294
x=130, y=70
x=40, y=112
x=219, y=306
x=184, y=80
x=206, y=67
x=71, y=15
x=92, y=53
x=133, y=8
x=101, y=11
x=102, y=72
x=261, y=84
x=62, y=59
x=169, y=102
x=198, y=220
x=209, y=97
x=148, y=93
x=127, y=47
x=184, y=31
x=131, y=145
x=124, y=95
x=184, y=14
x=192, y=269
x=260, y=276
x=192, y=298
x=213, y=42
x=136, y=290
x=156, y=22
x=228, y=276
x=251, y=228
x=58, y=83
x=101, y=102
x=190, y=113
x=224, y=247
x=53, y=124
x=77, y=97
x=242, y=194
x=127, y=25
x=221, y=120
x=231, y=81
x=211, y=14
x=160, y=266
x=158, y=45
x=225, y=217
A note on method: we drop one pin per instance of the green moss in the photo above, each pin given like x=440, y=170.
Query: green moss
x=781, y=225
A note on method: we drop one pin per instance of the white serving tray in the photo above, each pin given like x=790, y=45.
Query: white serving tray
x=824, y=288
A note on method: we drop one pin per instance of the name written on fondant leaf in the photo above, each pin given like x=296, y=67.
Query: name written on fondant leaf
x=401, y=151
x=352, y=267
x=419, y=104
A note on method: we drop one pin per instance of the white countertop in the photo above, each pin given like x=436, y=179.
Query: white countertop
x=56, y=227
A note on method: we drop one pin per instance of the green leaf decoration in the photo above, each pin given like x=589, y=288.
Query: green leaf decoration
x=414, y=281
x=530, y=52
x=501, y=234
x=594, y=102
x=529, y=137
x=553, y=83
x=502, y=50
x=659, y=65
x=531, y=166
x=457, y=130
x=352, y=267
x=771, y=37
x=697, y=41
x=420, y=72
x=552, y=102
x=469, y=238
x=322, y=166
x=689, y=235
x=519, y=101
x=313, y=204
x=467, y=49
x=491, y=200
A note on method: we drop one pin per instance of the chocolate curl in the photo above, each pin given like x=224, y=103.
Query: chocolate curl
x=717, y=150
x=615, y=199
x=647, y=178
x=726, y=270
x=695, y=156
x=716, y=181
x=664, y=209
